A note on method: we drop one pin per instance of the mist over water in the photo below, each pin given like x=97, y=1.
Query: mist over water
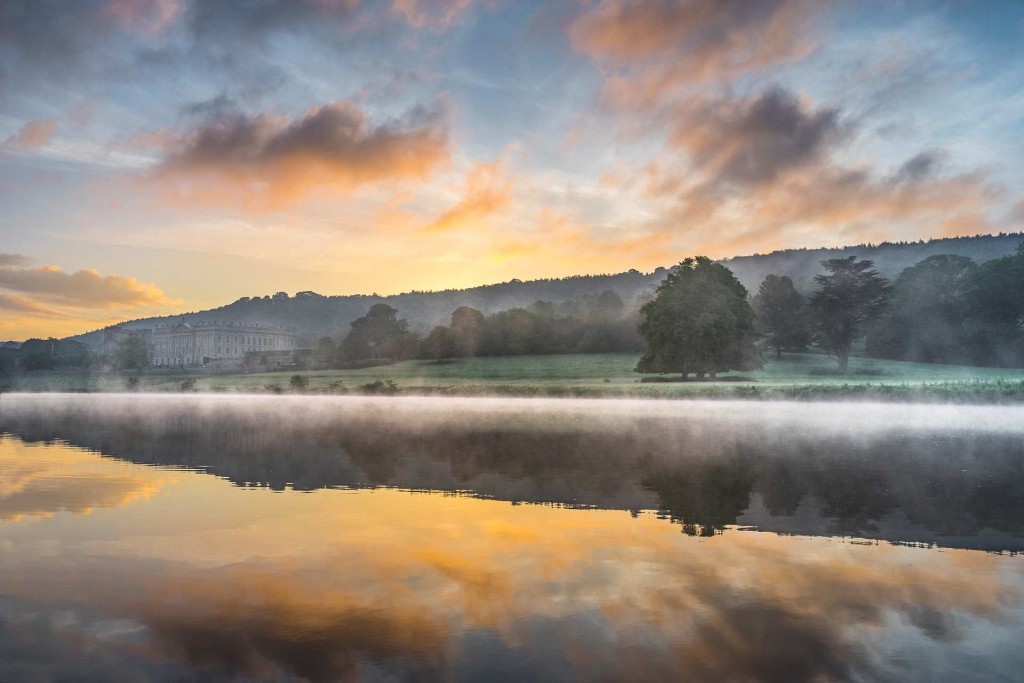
x=361, y=538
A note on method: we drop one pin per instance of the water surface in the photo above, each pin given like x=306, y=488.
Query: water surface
x=290, y=538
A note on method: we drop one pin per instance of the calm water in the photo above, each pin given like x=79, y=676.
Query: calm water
x=322, y=539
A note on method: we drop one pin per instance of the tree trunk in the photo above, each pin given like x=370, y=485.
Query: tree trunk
x=778, y=353
x=843, y=356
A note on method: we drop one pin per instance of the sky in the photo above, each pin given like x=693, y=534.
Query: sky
x=163, y=156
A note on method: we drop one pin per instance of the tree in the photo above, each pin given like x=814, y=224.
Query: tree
x=379, y=334
x=924, y=321
x=698, y=322
x=994, y=310
x=781, y=315
x=439, y=344
x=849, y=295
x=467, y=330
x=131, y=354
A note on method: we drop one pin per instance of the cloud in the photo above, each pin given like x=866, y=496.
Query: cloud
x=33, y=135
x=149, y=16
x=666, y=45
x=217, y=21
x=753, y=141
x=272, y=160
x=13, y=259
x=829, y=204
x=25, y=305
x=438, y=13
x=920, y=166
x=488, y=190
x=83, y=288
x=739, y=174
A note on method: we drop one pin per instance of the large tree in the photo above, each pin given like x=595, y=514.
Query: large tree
x=379, y=334
x=849, y=294
x=924, y=322
x=699, y=322
x=439, y=344
x=467, y=330
x=781, y=312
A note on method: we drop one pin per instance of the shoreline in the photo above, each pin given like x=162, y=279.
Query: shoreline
x=966, y=392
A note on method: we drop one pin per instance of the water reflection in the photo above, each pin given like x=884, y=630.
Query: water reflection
x=950, y=476
x=203, y=579
x=41, y=482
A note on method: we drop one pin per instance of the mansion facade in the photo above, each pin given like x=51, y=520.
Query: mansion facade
x=183, y=344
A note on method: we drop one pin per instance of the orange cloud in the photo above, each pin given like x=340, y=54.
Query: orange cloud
x=760, y=172
x=33, y=135
x=667, y=45
x=22, y=304
x=264, y=161
x=487, y=191
x=87, y=288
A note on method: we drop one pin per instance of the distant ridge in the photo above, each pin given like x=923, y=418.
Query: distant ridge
x=317, y=315
x=890, y=258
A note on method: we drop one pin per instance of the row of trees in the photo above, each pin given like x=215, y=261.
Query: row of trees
x=947, y=309
x=944, y=309
x=701, y=322
x=598, y=324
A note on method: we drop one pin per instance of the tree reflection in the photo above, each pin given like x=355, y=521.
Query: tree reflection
x=702, y=476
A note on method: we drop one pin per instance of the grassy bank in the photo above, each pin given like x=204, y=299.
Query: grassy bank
x=795, y=376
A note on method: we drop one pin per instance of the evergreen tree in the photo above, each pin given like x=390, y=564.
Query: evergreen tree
x=849, y=295
x=781, y=312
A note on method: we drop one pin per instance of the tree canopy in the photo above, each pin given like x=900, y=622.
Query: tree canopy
x=924, y=322
x=782, y=319
x=379, y=334
x=699, y=322
x=849, y=294
x=994, y=309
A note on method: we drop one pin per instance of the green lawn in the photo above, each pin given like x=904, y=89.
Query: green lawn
x=794, y=376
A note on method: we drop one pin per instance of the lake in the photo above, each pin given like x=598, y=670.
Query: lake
x=218, y=537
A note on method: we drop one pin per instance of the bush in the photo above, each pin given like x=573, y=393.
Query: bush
x=299, y=382
x=381, y=386
x=188, y=384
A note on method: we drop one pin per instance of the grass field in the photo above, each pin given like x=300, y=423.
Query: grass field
x=799, y=376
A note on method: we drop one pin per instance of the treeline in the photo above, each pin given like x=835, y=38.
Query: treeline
x=943, y=309
x=595, y=324
x=45, y=354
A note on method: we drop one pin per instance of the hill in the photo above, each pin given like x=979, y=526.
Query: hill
x=890, y=258
x=318, y=315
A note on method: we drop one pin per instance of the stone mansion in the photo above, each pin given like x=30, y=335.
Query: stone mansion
x=183, y=344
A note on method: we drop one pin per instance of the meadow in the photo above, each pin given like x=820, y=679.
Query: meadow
x=795, y=376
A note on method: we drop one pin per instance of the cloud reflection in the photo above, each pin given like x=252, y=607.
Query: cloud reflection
x=39, y=482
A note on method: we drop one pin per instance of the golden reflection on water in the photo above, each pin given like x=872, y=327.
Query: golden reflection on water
x=40, y=481
x=355, y=584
